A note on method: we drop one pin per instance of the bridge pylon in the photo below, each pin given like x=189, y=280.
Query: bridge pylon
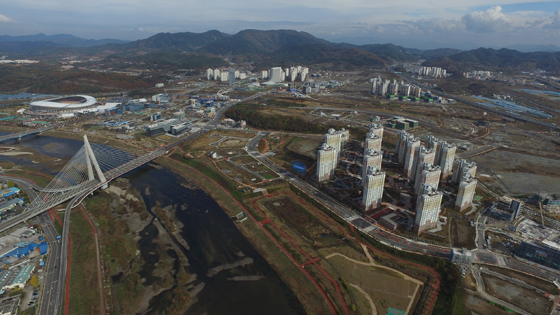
x=90, y=159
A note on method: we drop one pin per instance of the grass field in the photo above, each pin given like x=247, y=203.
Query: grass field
x=84, y=285
x=386, y=288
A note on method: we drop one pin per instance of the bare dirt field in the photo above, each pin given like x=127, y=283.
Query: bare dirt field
x=462, y=234
x=525, y=299
x=520, y=173
x=546, y=286
x=473, y=304
x=305, y=146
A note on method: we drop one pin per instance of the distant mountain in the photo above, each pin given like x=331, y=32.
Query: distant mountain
x=18, y=47
x=392, y=52
x=499, y=60
x=533, y=48
x=441, y=52
x=186, y=41
x=60, y=40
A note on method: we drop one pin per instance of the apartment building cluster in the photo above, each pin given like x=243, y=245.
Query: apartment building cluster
x=277, y=74
x=225, y=75
x=479, y=75
x=425, y=165
x=328, y=155
x=394, y=88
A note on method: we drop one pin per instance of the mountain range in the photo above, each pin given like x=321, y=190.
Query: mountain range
x=279, y=47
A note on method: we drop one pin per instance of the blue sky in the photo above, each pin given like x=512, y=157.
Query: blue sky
x=430, y=23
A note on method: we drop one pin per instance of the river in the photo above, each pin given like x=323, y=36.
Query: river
x=211, y=234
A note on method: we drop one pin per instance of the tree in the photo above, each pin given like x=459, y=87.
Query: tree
x=34, y=281
x=10, y=184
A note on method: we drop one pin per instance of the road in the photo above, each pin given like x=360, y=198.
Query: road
x=356, y=219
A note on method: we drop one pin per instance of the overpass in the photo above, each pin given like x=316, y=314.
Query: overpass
x=18, y=135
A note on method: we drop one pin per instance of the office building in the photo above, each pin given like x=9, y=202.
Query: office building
x=462, y=168
x=546, y=253
x=412, y=146
x=427, y=209
x=430, y=176
x=465, y=195
x=372, y=158
x=373, y=188
x=161, y=127
x=327, y=159
x=447, y=157
x=424, y=156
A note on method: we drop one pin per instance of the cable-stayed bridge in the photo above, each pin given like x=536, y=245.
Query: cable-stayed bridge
x=92, y=167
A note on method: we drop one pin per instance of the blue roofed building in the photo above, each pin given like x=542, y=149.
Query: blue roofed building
x=10, y=192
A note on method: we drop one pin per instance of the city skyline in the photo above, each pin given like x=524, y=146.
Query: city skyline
x=421, y=25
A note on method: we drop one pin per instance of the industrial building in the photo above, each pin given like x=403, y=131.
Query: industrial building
x=427, y=209
x=372, y=158
x=373, y=188
x=9, y=192
x=8, y=205
x=19, y=280
x=327, y=159
x=466, y=192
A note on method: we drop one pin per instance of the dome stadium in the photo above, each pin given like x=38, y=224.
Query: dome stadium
x=73, y=103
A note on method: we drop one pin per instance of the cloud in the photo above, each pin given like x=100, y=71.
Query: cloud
x=491, y=20
x=5, y=19
x=555, y=23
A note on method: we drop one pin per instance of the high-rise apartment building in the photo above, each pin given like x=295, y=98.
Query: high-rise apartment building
x=376, y=129
x=447, y=157
x=276, y=75
x=231, y=77
x=372, y=158
x=467, y=189
x=424, y=156
x=327, y=159
x=430, y=176
x=373, y=142
x=412, y=146
x=427, y=209
x=334, y=139
x=462, y=168
x=373, y=188
x=209, y=74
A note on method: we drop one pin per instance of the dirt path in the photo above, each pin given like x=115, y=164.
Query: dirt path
x=373, y=308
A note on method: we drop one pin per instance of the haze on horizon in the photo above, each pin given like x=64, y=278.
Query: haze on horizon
x=428, y=24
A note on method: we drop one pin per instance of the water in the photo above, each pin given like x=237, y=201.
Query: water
x=211, y=234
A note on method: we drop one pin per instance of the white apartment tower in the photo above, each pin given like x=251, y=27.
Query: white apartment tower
x=275, y=75
x=400, y=146
x=424, y=156
x=344, y=136
x=376, y=129
x=373, y=188
x=462, y=169
x=427, y=209
x=217, y=75
x=334, y=139
x=465, y=196
x=412, y=146
x=434, y=144
x=327, y=158
x=372, y=158
x=447, y=157
x=430, y=176
x=373, y=142
x=209, y=74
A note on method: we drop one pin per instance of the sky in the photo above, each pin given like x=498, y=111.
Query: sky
x=462, y=24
